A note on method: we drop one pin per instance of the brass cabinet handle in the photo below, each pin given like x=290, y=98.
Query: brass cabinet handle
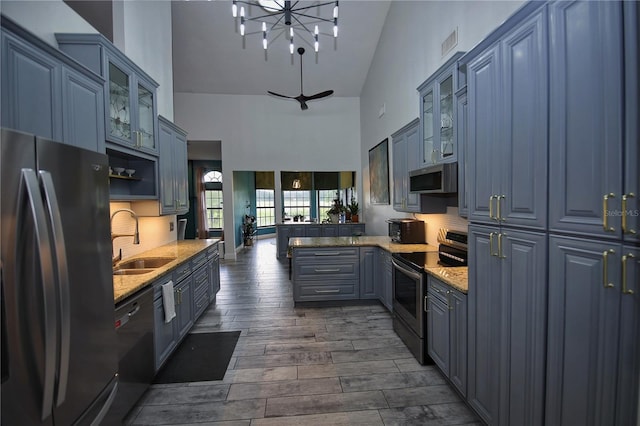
x=605, y=275
x=605, y=212
x=625, y=290
x=491, y=234
x=491, y=207
x=500, y=255
x=499, y=203
x=625, y=197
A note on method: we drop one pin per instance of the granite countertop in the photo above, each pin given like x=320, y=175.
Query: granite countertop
x=126, y=285
x=456, y=277
x=364, y=240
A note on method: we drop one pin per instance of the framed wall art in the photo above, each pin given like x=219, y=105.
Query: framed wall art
x=379, y=173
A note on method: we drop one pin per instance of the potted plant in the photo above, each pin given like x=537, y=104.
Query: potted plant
x=248, y=229
x=336, y=209
x=354, y=209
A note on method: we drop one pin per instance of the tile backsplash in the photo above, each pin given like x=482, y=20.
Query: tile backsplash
x=449, y=220
x=154, y=231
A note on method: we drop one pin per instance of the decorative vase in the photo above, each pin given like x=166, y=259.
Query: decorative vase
x=354, y=218
x=335, y=217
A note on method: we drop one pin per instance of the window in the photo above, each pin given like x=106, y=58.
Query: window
x=265, y=207
x=325, y=200
x=213, y=197
x=297, y=203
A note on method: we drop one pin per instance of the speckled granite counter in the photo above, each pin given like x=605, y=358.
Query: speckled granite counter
x=382, y=242
x=457, y=277
x=126, y=285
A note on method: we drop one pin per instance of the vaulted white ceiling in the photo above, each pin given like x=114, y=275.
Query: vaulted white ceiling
x=208, y=53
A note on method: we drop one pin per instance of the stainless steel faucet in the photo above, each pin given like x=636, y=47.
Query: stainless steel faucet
x=135, y=235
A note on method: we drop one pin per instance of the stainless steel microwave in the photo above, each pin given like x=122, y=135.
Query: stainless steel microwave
x=437, y=179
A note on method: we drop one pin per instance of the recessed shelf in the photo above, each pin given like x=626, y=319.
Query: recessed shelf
x=124, y=177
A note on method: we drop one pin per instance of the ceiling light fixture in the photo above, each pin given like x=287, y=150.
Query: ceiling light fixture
x=288, y=18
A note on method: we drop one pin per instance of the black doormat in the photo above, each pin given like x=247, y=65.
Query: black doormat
x=200, y=357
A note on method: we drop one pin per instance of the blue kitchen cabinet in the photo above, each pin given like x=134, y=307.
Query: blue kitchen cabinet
x=326, y=273
x=507, y=325
x=184, y=306
x=406, y=151
x=586, y=117
x=630, y=203
x=82, y=111
x=384, y=279
x=405, y=143
x=438, y=139
x=462, y=129
x=368, y=263
x=447, y=331
x=507, y=152
x=131, y=117
x=48, y=94
x=32, y=98
x=593, y=334
x=172, y=168
x=213, y=256
x=313, y=231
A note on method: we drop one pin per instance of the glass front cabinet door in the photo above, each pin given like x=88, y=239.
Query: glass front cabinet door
x=438, y=138
x=132, y=109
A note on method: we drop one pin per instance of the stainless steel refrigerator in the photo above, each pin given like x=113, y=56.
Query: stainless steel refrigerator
x=59, y=359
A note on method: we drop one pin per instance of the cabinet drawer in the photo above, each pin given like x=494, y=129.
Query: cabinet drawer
x=334, y=291
x=182, y=272
x=201, y=302
x=213, y=251
x=332, y=254
x=200, y=280
x=438, y=289
x=327, y=271
x=198, y=260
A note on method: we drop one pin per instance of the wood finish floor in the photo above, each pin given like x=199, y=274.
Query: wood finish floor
x=302, y=366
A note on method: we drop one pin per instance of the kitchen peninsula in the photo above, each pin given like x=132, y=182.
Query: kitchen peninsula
x=357, y=267
x=289, y=229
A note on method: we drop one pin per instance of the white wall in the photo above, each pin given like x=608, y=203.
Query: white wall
x=264, y=133
x=45, y=18
x=408, y=53
x=142, y=30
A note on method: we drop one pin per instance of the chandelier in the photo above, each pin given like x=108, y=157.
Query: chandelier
x=291, y=19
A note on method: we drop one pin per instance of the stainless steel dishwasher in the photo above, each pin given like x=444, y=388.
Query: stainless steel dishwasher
x=134, y=328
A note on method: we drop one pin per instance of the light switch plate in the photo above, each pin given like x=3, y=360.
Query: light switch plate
x=170, y=226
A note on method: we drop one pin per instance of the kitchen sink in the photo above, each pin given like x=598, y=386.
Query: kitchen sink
x=145, y=263
x=140, y=271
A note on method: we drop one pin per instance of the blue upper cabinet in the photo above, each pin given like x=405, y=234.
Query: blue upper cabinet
x=630, y=202
x=507, y=133
x=438, y=115
x=31, y=98
x=48, y=94
x=131, y=118
x=586, y=118
x=462, y=129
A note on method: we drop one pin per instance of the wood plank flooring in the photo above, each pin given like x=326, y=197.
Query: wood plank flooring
x=302, y=366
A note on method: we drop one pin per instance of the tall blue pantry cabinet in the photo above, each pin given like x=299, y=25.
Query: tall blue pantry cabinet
x=554, y=272
x=594, y=288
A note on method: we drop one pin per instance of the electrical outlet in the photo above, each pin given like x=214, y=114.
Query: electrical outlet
x=170, y=226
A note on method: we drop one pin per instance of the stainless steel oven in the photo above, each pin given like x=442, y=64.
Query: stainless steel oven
x=410, y=288
x=409, y=322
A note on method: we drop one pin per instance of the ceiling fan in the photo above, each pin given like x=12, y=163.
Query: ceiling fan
x=301, y=97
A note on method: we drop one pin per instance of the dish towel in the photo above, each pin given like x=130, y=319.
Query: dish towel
x=168, y=302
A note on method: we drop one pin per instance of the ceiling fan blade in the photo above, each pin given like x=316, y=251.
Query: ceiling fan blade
x=303, y=102
x=280, y=96
x=320, y=95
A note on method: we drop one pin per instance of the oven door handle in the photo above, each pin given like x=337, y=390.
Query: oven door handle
x=408, y=272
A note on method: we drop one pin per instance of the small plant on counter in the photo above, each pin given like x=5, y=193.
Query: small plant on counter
x=354, y=209
x=337, y=208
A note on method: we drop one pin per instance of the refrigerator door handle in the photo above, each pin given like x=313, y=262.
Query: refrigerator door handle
x=29, y=183
x=64, y=298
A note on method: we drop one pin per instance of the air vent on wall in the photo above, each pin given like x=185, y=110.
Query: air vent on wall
x=450, y=42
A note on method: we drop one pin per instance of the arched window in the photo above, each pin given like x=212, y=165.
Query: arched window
x=213, y=191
